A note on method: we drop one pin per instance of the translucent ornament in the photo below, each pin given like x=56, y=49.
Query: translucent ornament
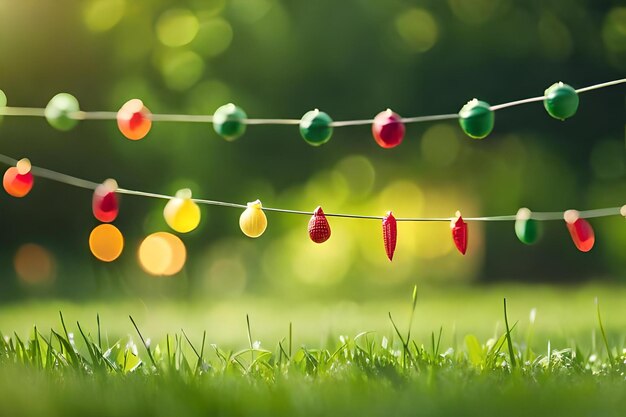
x=134, y=119
x=253, y=221
x=229, y=121
x=18, y=180
x=390, y=234
x=316, y=127
x=388, y=129
x=459, y=233
x=528, y=230
x=476, y=119
x=580, y=230
x=181, y=213
x=319, y=229
x=105, y=204
x=561, y=101
x=106, y=242
x=60, y=111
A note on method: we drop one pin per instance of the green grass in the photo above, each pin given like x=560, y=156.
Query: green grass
x=402, y=362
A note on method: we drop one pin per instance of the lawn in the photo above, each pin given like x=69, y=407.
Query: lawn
x=326, y=365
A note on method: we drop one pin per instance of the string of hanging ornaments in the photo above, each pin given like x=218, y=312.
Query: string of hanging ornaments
x=163, y=253
x=134, y=119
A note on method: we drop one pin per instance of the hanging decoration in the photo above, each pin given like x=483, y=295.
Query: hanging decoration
x=390, y=234
x=316, y=127
x=18, y=180
x=580, y=230
x=561, y=101
x=134, y=120
x=253, y=221
x=104, y=204
x=319, y=229
x=229, y=121
x=388, y=129
x=459, y=233
x=61, y=112
x=106, y=242
x=527, y=229
x=181, y=213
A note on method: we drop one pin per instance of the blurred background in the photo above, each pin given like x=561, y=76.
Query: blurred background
x=351, y=59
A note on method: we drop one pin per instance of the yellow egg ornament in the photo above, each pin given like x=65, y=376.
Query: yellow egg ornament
x=253, y=221
x=181, y=213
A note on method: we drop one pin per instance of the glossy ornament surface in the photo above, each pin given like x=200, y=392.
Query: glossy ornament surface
x=315, y=127
x=388, y=129
x=60, y=111
x=18, y=180
x=105, y=204
x=527, y=230
x=229, y=121
x=253, y=221
x=580, y=230
x=134, y=119
x=459, y=233
x=181, y=213
x=476, y=119
x=561, y=101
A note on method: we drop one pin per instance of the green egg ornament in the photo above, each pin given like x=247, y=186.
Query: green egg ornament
x=3, y=101
x=316, y=127
x=229, y=121
x=60, y=110
x=528, y=230
x=476, y=119
x=561, y=101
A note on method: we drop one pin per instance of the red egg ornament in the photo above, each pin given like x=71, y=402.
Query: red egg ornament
x=388, y=129
x=319, y=229
x=580, y=230
x=105, y=205
x=18, y=180
x=390, y=234
x=459, y=233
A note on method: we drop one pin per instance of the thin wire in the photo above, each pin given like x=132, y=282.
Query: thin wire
x=109, y=115
x=90, y=185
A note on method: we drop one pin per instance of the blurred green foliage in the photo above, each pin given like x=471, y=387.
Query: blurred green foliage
x=351, y=59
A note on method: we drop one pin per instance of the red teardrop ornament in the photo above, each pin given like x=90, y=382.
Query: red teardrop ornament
x=319, y=229
x=459, y=233
x=388, y=129
x=390, y=234
x=104, y=204
x=582, y=234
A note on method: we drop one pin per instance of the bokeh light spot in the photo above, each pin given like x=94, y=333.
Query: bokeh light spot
x=614, y=30
x=358, y=173
x=440, y=145
x=608, y=160
x=214, y=37
x=177, y=27
x=103, y=15
x=555, y=38
x=162, y=254
x=250, y=11
x=34, y=264
x=106, y=242
x=474, y=11
x=418, y=29
x=181, y=70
